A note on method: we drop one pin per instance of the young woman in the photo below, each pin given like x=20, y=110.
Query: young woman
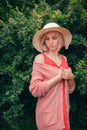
x=52, y=79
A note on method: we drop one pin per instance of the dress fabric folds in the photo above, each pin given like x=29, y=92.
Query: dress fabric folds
x=52, y=109
x=47, y=60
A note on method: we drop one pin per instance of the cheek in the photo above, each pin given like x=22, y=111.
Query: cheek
x=60, y=43
x=59, y=46
x=47, y=44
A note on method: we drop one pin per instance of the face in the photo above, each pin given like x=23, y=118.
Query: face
x=53, y=41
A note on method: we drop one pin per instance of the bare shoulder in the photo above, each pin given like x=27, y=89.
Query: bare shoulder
x=39, y=58
x=65, y=57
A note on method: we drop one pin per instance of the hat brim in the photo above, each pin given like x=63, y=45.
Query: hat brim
x=38, y=35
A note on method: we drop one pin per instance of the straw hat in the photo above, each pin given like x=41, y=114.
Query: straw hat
x=51, y=27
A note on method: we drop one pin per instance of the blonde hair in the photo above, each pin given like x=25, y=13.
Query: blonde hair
x=42, y=43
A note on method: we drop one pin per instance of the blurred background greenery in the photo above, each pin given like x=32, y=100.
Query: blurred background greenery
x=19, y=20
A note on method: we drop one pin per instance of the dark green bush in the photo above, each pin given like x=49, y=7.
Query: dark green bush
x=17, y=27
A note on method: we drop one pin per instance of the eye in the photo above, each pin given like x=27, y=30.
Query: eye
x=54, y=37
x=46, y=38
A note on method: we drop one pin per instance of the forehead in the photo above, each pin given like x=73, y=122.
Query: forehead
x=52, y=33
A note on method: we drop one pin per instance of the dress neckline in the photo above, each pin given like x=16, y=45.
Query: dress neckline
x=54, y=63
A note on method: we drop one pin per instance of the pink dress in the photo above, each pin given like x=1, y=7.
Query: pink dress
x=47, y=60
x=52, y=109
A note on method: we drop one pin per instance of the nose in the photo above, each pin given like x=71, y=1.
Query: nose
x=50, y=41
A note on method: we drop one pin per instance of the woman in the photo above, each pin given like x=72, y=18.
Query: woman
x=52, y=79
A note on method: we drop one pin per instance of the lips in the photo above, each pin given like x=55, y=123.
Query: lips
x=51, y=46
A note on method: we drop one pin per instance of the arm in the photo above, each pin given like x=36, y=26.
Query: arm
x=71, y=81
x=38, y=86
x=53, y=81
x=69, y=76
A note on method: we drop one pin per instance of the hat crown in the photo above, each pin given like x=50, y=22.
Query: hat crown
x=51, y=25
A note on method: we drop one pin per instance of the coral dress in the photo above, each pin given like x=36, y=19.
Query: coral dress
x=52, y=108
x=49, y=61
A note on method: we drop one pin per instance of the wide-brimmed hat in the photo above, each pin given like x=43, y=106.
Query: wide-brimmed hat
x=51, y=27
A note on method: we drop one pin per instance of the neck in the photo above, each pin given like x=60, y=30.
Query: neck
x=52, y=53
x=55, y=56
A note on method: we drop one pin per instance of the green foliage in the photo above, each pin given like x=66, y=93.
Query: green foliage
x=16, y=61
x=81, y=75
x=77, y=17
x=17, y=27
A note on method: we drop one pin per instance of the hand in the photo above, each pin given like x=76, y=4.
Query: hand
x=67, y=74
x=60, y=73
